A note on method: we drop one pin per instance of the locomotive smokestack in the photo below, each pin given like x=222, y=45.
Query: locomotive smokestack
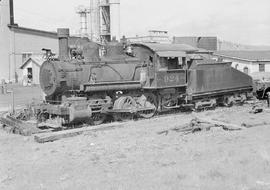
x=63, y=35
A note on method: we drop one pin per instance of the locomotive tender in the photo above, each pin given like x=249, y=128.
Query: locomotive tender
x=140, y=79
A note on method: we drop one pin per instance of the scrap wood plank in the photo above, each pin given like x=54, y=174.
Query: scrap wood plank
x=202, y=124
x=226, y=126
x=251, y=124
x=180, y=128
x=18, y=126
x=53, y=136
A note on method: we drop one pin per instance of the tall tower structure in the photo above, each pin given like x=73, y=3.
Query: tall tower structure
x=115, y=19
x=94, y=20
x=105, y=20
x=83, y=12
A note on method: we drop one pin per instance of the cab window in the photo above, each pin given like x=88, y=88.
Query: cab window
x=163, y=64
x=171, y=63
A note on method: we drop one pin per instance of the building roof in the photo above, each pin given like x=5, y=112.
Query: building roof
x=205, y=42
x=156, y=47
x=252, y=56
x=36, y=59
x=171, y=53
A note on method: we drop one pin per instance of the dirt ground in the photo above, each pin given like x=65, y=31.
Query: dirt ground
x=137, y=157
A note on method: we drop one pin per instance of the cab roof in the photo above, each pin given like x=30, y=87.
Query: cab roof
x=168, y=50
x=156, y=47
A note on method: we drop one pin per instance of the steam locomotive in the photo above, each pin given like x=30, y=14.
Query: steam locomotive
x=141, y=79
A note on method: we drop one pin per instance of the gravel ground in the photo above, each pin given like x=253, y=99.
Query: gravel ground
x=137, y=157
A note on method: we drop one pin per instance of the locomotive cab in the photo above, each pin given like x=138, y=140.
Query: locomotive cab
x=170, y=70
x=166, y=64
x=171, y=63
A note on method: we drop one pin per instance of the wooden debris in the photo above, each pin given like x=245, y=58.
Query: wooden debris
x=181, y=128
x=53, y=136
x=225, y=126
x=267, y=110
x=256, y=109
x=202, y=124
x=18, y=127
x=250, y=125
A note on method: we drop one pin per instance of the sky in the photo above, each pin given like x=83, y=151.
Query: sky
x=239, y=21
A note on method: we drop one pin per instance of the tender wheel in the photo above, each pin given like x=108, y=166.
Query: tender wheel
x=214, y=106
x=197, y=107
x=228, y=101
x=150, y=102
x=124, y=103
x=243, y=99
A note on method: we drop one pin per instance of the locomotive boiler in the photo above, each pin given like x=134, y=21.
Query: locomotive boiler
x=122, y=80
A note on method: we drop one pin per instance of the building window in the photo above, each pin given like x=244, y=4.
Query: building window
x=246, y=70
x=261, y=67
x=25, y=56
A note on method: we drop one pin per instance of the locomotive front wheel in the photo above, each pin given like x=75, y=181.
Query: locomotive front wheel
x=98, y=118
x=151, y=105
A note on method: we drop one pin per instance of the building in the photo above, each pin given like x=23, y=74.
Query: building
x=229, y=46
x=18, y=43
x=154, y=36
x=215, y=44
x=249, y=62
x=208, y=43
x=30, y=70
